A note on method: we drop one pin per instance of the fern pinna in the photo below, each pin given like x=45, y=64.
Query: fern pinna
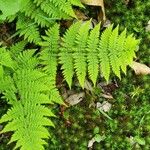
x=28, y=80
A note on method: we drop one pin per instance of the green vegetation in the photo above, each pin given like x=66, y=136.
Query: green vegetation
x=33, y=70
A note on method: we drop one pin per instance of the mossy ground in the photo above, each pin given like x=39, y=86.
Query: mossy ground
x=130, y=111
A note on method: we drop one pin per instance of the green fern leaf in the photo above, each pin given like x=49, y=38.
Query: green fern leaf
x=17, y=48
x=64, y=6
x=131, y=47
x=49, y=59
x=104, y=53
x=113, y=53
x=120, y=49
x=49, y=52
x=5, y=58
x=26, y=59
x=52, y=10
x=28, y=117
x=92, y=58
x=76, y=3
x=66, y=52
x=36, y=14
x=79, y=54
x=28, y=28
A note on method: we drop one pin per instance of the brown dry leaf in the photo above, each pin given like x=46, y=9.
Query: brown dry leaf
x=93, y=2
x=105, y=106
x=126, y=2
x=75, y=98
x=88, y=86
x=107, y=96
x=91, y=142
x=140, y=68
x=96, y=3
x=148, y=27
x=80, y=15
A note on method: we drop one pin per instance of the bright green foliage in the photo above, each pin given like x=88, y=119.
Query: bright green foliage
x=92, y=58
x=32, y=14
x=48, y=57
x=28, y=28
x=66, y=51
x=36, y=14
x=104, y=53
x=26, y=88
x=5, y=59
x=110, y=52
x=28, y=80
x=79, y=52
x=9, y=7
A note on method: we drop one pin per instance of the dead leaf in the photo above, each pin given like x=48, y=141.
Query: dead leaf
x=105, y=106
x=75, y=98
x=107, y=23
x=88, y=86
x=148, y=27
x=140, y=68
x=96, y=3
x=80, y=15
x=91, y=142
x=126, y=2
x=107, y=96
x=93, y=2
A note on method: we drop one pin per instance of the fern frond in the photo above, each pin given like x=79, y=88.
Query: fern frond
x=8, y=89
x=121, y=51
x=66, y=52
x=28, y=121
x=5, y=58
x=7, y=85
x=65, y=6
x=104, y=53
x=131, y=47
x=26, y=59
x=48, y=57
x=28, y=28
x=80, y=50
x=28, y=116
x=36, y=14
x=92, y=58
x=58, y=9
x=76, y=3
x=17, y=48
x=80, y=53
x=113, y=51
x=50, y=50
x=52, y=10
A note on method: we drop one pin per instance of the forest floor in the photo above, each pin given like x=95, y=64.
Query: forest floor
x=113, y=116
